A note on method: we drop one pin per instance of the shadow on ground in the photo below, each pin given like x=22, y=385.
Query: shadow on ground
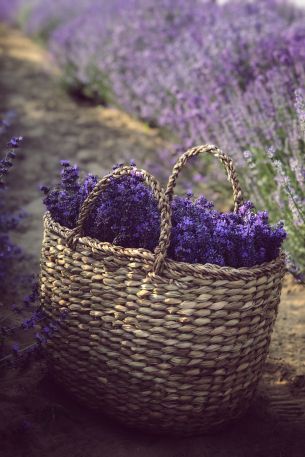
x=42, y=419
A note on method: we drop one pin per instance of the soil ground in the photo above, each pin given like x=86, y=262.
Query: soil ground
x=37, y=418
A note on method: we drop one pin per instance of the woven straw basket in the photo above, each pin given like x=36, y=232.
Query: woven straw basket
x=161, y=345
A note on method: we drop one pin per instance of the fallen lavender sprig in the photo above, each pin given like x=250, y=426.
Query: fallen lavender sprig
x=8, y=221
x=11, y=353
x=17, y=355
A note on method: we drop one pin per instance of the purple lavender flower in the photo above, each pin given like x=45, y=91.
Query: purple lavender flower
x=15, y=348
x=126, y=214
x=15, y=141
x=300, y=106
x=8, y=221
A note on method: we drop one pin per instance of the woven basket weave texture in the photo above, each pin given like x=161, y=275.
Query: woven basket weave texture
x=161, y=345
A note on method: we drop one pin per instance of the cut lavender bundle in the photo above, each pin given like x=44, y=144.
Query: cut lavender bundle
x=126, y=214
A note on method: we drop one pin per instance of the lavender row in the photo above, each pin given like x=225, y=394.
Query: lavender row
x=228, y=74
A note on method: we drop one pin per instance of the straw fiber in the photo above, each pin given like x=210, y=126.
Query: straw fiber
x=161, y=345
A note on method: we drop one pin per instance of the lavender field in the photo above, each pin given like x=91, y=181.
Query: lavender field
x=86, y=86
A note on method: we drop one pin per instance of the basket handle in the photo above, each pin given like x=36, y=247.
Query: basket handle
x=163, y=205
x=227, y=162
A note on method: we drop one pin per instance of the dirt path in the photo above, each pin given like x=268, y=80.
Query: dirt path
x=36, y=417
x=57, y=127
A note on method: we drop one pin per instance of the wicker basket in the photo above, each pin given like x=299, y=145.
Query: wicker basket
x=161, y=345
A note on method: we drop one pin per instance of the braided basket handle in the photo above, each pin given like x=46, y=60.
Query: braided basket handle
x=227, y=162
x=163, y=205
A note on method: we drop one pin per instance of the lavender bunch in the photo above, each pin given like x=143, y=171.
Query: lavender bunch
x=203, y=235
x=126, y=214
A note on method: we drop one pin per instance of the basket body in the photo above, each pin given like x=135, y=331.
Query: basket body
x=179, y=353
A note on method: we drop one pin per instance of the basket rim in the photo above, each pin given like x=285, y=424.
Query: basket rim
x=172, y=266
